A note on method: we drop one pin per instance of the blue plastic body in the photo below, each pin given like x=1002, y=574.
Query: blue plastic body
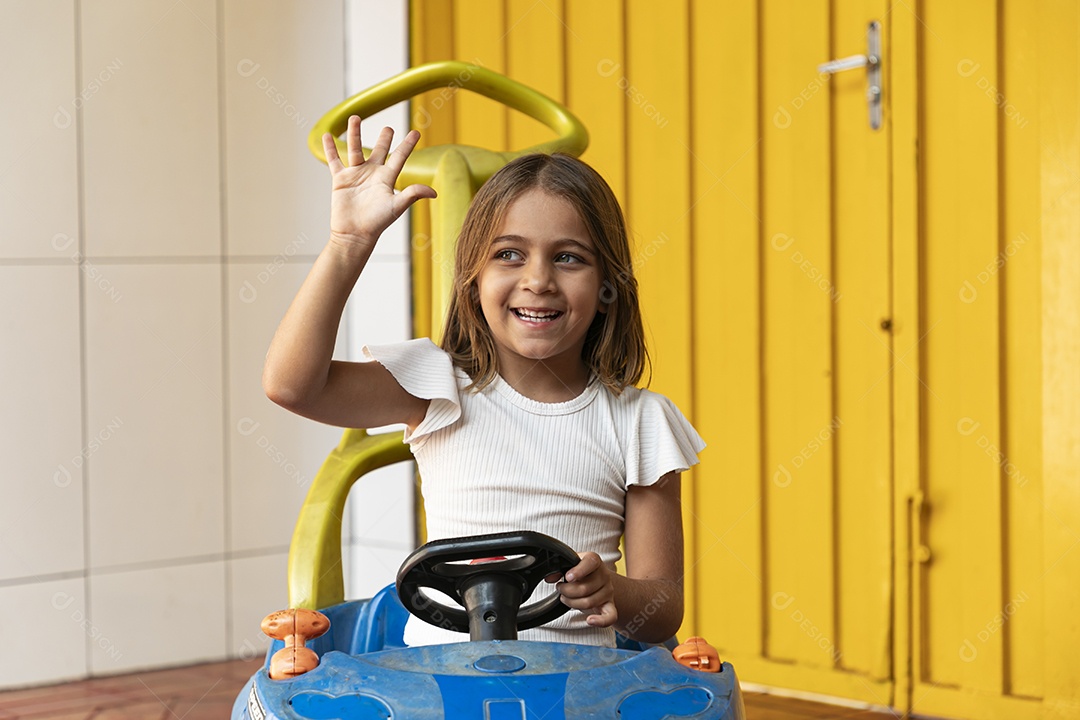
x=365, y=672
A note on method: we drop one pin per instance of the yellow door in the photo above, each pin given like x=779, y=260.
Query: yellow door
x=795, y=580
x=757, y=195
x=987, y=435
x=875, y=330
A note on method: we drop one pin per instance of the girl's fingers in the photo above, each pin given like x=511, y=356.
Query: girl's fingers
x=356, y=148
x=590, y=563
x=605, y=616
x=333, y=160
x=382, y=147
x=585, y=594
x=411, y=194
x=586, y=602
x=397, y=159
x=582, y=588
x=600, y=602
x=590, y=591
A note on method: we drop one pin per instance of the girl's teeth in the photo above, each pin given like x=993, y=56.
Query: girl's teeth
x=537, y=317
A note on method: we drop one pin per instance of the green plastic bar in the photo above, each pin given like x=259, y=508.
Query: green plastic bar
x=572, y=138
x=453, y=184
x=315, y=574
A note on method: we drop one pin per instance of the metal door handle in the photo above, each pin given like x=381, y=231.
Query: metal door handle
x=872, y=62
x=848, y=63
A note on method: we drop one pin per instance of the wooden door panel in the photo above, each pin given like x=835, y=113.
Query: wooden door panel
x=863, y=359
x=799, y=513
x=799, y=568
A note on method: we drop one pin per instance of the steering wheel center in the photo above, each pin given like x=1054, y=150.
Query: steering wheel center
x=492, y=588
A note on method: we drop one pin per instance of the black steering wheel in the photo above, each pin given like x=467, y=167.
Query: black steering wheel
x=492, y=588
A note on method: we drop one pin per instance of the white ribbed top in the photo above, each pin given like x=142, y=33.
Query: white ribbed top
x=497, y=461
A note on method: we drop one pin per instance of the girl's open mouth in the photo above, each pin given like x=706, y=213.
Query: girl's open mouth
x=536, y=316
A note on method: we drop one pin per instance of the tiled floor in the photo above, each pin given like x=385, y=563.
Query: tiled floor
x=201, y=692
x=206, y=692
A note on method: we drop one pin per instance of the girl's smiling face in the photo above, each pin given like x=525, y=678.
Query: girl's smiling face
x=540, y=287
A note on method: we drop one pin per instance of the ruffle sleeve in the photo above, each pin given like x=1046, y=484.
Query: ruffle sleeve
x=425, y=371
x=664, y=441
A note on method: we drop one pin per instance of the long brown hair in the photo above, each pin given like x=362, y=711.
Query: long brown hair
x=614, y=350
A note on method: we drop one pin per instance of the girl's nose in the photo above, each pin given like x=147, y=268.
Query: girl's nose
x=538, y=276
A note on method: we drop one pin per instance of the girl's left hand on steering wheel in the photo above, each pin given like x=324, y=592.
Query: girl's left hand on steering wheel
x=589, y=587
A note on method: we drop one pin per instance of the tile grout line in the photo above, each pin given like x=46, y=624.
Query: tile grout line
x=84, y=394
x=223, y=269
x=187, y=560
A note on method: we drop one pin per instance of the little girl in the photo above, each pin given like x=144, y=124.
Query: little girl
x=526, y=418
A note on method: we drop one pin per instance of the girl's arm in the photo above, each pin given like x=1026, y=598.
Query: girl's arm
x=647, y=603
x=299, y=373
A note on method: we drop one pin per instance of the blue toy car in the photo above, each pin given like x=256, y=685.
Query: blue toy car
x=364, y=670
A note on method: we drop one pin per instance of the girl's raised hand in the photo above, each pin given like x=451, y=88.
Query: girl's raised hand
x=362, y=200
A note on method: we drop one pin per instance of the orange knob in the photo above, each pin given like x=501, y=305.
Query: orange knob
x=697, y=654
x=294, y=627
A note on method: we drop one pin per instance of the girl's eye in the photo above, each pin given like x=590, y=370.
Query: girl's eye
x=508, y=255
x=567, y=258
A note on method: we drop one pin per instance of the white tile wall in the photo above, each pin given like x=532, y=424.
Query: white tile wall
x=41, y=445
x=273, y=454
x=369, y=569
x=38, y=159
x=151, y=149
x=134, y=342
x=49, y=630
x=153, y=358
x=257, y=587
x=368, y=63
x=173, y=615
x=380, y=508
x=379, y=309
x=280, y=76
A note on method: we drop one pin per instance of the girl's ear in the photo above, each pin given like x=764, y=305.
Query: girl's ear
x=607, y=296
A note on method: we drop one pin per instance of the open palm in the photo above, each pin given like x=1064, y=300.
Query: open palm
x=362, y=201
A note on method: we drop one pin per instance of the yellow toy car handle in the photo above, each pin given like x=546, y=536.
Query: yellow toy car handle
x=572, y=138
